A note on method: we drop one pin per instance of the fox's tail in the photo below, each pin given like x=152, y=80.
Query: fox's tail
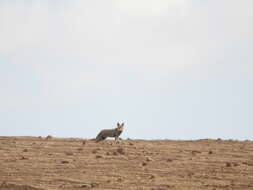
x=94, y=140
x=100, y=137
x=99, y=134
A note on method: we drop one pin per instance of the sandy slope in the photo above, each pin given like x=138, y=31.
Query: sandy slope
x=29, y=163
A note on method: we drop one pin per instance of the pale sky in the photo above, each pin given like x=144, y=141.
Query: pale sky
x=168, y=69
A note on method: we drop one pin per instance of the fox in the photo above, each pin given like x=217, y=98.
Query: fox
x=110, y=133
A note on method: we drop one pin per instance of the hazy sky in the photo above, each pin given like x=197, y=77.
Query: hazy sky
x=169, y=69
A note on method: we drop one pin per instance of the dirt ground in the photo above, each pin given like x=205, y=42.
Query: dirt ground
x=31, y=163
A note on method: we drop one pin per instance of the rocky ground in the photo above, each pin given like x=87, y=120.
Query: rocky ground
x=31, y=163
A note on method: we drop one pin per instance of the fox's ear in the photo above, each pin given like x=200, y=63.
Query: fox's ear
x=122, y=124
x=118, y=124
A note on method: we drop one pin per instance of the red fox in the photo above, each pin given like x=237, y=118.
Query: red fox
x=110, y=133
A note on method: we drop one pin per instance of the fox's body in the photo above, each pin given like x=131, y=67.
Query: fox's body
x=110, y=133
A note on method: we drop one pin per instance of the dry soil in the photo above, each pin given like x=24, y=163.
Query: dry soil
x=31, y=163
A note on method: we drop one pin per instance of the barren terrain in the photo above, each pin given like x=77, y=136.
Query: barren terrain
x=31, y=163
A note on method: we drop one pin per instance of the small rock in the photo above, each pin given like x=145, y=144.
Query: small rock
x=4, y=183
x=152, y=177
x=64, y=162
x=69, y=153
x=210, y=152
x=25, y=150
x=49, y=137
x=121, y=151
x=144, y=164
x=119, y=179
x=115, y=153
x=228, y=164
x=85, y=186
x=99, y=156
x=94, y=185
x=148, y=159
x=190, y=174
x=196, y=152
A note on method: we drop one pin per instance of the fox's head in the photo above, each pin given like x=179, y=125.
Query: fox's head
x=120, y=127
